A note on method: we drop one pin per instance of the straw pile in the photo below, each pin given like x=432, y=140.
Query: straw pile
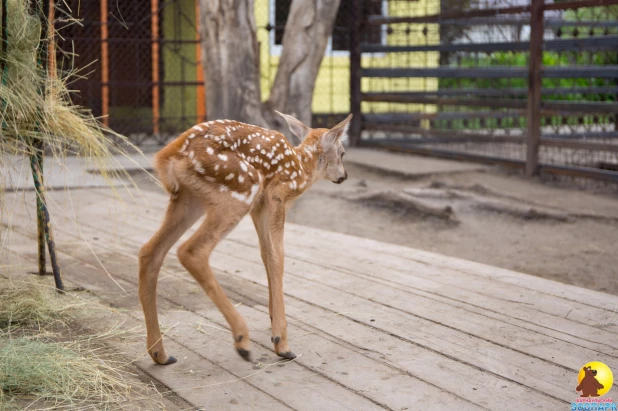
x=28, y=115
x=40, y=368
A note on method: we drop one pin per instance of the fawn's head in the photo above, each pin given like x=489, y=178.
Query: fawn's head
x=330, y=151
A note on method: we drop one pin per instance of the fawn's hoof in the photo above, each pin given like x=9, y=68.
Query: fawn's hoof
x=246, y=355
x=157, y=358
x=289, y=355
x=170, y=360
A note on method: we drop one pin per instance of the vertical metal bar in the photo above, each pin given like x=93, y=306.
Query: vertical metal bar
x=154, y=26
x=355, y=72
x=534, y=87
x=104, y=63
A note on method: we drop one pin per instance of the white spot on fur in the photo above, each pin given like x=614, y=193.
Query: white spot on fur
x=191, y=135
x=210, y=151
x=198, y=128
x=198, y=166
x=243, y=166
x=263, y=151
x=229, y=176
x=294, y=175
x=241, y=179
x=217, y=167
x=247, y=198
x=223, y=157
x=221, y=121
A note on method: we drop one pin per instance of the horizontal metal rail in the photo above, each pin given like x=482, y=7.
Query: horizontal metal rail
x=390, y=118
x=567, y=106
x=374, y=124
x=587, y=172
x=587, y=43
x=457, y=136
x=466, y=14
x=525, y=21
x=609, y=71
x=512, y=91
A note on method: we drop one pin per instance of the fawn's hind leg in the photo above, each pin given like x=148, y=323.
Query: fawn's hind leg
x=182, y=212
x=194, y=256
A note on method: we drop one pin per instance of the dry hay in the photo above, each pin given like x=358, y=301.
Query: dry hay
x=33, y=305
x=42, y=369
x=27, y=115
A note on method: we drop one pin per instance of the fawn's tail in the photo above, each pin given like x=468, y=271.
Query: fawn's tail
x=164, y=165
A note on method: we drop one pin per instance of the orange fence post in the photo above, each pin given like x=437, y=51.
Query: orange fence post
x=200, y=98
x=104, y=65
x=154, y=10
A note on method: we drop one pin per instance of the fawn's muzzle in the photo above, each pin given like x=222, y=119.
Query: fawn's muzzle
x=341, y=179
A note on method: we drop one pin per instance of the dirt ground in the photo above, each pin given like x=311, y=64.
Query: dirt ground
x=493, y=217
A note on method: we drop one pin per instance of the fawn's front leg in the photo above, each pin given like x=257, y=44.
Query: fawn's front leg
x=269, y=222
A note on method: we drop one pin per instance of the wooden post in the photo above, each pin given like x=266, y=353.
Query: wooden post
x=104, y=64
x=200, y=97
x=355, y=72
x=45, y=234
x=534, y=88
x=154, y=29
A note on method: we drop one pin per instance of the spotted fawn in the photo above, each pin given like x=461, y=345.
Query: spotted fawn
x=224, y=169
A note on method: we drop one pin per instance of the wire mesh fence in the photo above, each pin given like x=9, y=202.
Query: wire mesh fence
x=457, y=83
x=439, y=77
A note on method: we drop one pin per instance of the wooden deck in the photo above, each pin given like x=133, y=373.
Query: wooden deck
x=378, y=326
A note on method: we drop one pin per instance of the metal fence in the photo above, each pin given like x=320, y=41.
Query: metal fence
x=530, y=85
x=139, y=64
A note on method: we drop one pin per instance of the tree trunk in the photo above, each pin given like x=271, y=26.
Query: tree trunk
x=307, y=30
x=230, y=60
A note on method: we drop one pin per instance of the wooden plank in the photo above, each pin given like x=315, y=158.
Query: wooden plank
x=460, y=286
x=403, y=267
x=214, y=388
x=193, y=332
x=337, y=327
x=391, y=386
x=424, y=361
x=367, y=339
x=303, y=287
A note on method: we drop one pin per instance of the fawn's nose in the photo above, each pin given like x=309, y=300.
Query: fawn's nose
x=342, y=179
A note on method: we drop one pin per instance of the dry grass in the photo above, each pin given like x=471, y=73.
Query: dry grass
x=34, y=305
x=40, y=368
x=28, y=115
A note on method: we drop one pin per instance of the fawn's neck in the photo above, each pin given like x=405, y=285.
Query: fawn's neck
x=308, y=152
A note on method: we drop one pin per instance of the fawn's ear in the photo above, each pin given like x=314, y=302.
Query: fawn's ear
x=297, y=127
x=336, y=133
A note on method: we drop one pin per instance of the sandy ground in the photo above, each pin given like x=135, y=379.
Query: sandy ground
x=579, y=249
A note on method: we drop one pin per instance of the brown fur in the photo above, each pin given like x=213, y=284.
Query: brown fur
x=226, y=169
